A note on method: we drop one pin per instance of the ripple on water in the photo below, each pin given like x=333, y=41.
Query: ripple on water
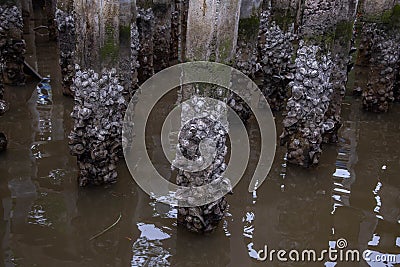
x=37, y=216
x=55, y=177
x=48, y=210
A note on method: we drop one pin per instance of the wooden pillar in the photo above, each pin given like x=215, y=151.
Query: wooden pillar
x=50, y=7
x=66, y=43
x=145, y=23
x=379, y=53
x=247, y=53
x=99, y=95
x=313, y=111
x=178, y=29
x=162, y=33
x=128, y=47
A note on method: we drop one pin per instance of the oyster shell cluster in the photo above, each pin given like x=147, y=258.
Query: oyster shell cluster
x=383, y=54
x=304, y=123
x=276, y=61
x=204, y=218
x=339, y=80
x=343, y=63
x=264, y=24
x=66, y=41
x=175, y=30
x=12, y=45
x=135, y=48
x=145, y=22
x=320, y=16
x=98, y=117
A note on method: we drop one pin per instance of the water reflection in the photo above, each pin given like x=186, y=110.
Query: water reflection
x=46, y=220
x=148, y=249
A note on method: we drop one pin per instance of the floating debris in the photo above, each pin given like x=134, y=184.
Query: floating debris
x=45, y=95
x=107, y=229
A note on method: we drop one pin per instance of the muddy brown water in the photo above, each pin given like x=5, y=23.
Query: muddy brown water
x=47, y=220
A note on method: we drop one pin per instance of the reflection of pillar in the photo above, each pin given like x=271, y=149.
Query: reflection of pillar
x=12, y=45
x=99, y=96
x=211, y=35
x=303, y=209
x=396, y=89
x=3, y=142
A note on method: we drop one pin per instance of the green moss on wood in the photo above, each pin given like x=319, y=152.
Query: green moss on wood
x=248, y=27
x=225, y=51
x=390, y=18
x=124, y=31
x=344, y=30
x=109, y=51
x=325, y=41
x=8, y=2
x=283, y=18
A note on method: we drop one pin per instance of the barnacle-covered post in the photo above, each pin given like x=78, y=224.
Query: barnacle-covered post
x=379, y=54
x=211, y=35
x=128, y=47
x=98, y=94
x=179, y=13
x=276, y=53
x=313, y=111
x=311, y=92
x=66, y=42
x=145, y=24
x=162, y=33
x=246, y=52
x=12, y=44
